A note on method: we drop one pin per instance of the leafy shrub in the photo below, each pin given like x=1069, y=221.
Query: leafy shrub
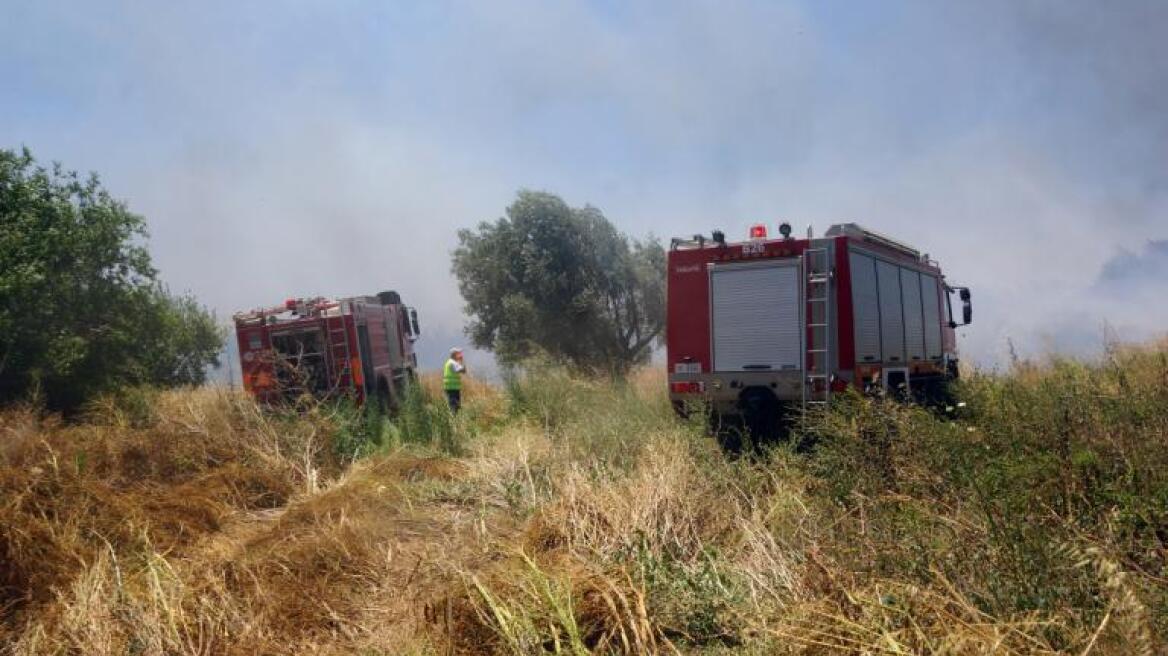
x=82, y=310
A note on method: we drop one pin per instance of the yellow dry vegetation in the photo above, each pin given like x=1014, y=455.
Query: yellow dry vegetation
x=568, y=517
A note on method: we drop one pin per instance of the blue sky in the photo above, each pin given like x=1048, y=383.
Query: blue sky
x=336, y=147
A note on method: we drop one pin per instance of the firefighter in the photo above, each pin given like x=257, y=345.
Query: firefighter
x=452, y=379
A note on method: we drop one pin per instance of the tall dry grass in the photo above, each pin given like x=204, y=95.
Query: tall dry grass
x=556, y=515
x=1029, y=520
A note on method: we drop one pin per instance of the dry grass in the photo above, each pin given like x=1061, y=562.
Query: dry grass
x=561, y=516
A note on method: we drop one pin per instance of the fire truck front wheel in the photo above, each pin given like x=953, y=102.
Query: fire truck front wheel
x=385, y=399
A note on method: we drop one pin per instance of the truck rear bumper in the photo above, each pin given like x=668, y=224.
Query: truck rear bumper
x=721, y=392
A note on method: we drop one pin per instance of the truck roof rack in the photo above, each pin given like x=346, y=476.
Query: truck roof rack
x=295, y=308
x=697, y=241
x=860, y=232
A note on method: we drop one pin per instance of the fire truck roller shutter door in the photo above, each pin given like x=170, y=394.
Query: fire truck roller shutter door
x=865, y=307
x=891, y=313
x=756, y=317
x=914, y=327
x=931, y=298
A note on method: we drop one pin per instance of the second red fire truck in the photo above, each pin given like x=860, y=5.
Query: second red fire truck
x=362, y=347
x=762, y=327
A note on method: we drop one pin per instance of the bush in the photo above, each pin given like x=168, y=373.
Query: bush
x=82, y=311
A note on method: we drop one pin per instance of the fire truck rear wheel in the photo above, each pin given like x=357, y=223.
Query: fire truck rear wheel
x=731, y=439
x=761, y=414
x=728, y=431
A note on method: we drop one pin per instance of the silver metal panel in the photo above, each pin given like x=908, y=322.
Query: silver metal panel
x=891, y=314
x=931, y=297
x=914, y=327
x=756, y=318
x=865, y=307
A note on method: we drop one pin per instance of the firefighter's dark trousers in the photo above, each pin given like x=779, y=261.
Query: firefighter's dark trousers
x=454, y=398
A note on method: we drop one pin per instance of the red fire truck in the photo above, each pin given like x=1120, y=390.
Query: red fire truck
x=758, y=328
x=361, y=346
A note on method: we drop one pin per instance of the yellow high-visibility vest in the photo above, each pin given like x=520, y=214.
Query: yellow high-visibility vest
x=451, y=377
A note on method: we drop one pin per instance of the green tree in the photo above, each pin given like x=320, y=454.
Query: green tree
x=81, y=308
x=549, y=278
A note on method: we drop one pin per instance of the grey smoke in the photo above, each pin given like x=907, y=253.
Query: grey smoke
x=1127, y=270
x=335, y=148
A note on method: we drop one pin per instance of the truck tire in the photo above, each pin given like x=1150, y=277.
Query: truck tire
x=761, y=414
x=727, y=430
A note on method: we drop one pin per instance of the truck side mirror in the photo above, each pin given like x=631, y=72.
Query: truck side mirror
x=416, y=332
x=966, y=309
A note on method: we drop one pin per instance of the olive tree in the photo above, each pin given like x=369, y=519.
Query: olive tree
x=561, y=281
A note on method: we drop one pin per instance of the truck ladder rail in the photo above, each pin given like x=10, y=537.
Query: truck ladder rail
x=346, y=367
x=817, y=274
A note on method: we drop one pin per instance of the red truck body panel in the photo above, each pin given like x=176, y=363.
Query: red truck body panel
x=355, y=347
x=912, y=329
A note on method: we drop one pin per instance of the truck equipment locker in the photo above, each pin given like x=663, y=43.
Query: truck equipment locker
x=756, y=318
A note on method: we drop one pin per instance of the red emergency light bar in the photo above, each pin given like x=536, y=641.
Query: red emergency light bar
x=758, y=231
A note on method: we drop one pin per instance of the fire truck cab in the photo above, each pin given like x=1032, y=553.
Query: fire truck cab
x=758, y=328
x=361, y=346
